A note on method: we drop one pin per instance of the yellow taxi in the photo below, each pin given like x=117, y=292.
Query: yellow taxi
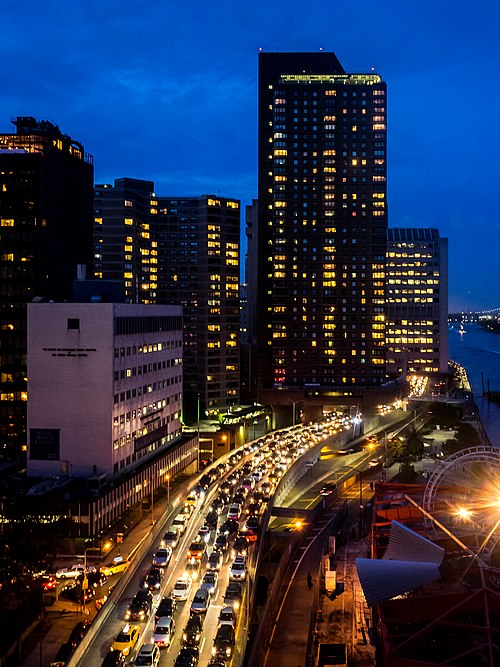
x=126, y=639
x=118, y=564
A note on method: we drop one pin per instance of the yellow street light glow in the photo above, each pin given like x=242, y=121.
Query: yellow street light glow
x=298, y=524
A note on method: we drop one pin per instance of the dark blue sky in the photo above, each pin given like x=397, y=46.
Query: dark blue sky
x=167, y=91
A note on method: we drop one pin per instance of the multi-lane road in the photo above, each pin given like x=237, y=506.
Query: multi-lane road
x=264, y=462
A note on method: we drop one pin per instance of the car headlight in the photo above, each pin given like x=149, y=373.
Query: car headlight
x=197, y=637
x=228, y=651
x=127, y=615
x=184, y=636
x=236, y=605
x=214, y=650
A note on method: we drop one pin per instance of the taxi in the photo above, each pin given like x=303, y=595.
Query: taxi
x=118, y=564
x=126, y=639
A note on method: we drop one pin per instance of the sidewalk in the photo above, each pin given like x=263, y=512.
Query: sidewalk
x=41, y=646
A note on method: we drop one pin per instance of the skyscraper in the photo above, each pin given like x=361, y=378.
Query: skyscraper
x=46, y=221
x=417, y=302
x=322, y=222
x=183, y=251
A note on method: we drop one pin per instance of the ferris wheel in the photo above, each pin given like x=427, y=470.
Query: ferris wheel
x=463, y=495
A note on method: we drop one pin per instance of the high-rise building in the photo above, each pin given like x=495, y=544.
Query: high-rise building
x=46, y=221
x=184, y=251
x=199, y=268
x=319, y=322
x=417, y=302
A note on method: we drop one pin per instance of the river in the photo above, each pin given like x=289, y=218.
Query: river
x=478, y=351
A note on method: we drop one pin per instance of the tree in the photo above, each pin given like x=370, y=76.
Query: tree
x=414, y=447
x=467, y=435
x=443, y=414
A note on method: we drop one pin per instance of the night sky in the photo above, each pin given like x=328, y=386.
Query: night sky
x=167, y=91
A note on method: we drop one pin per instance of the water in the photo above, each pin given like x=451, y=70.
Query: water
x=478, y=351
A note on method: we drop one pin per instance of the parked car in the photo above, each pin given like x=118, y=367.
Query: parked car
x=164, y=631
x=191, y=635
x=140, y=607
x=166, y=607
x=63, y=655
x=148, y=656
x=73, y=571
x=79, y=631
x=117, y=565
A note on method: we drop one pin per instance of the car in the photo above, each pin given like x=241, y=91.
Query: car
x=217, y=506
x=114, y=659
x=73, y=590
x=170, y=539
x=191, y=635
x=252, y=523
x=217, y=662
x=240, y=546
x=63, y=655
x=224, y=642
x=79, y=631
x=327, y=489
x=164, y=631
x=166, y=607
x=249, y=533
x=373, y=463
x=238, y=571
x=253, y=509
x=153, y=579
x=187, y=657
x=212, y=519
x=227, y=616
x=192, y=570
x=74, y=571
x=215, y=560
x=46, y=582
x=239, y=497
x=201, y=602
x=148, y=656
x=248, y=483
x=181, y=589
x=126, y=639
x=204, y=534
x=209, y=581
x=221, y=543
x=117, y=566
x=179, y=523
x=94, y=579
x=197, y=550
x=191, y=500
x=162, y=556
x=140, y=607
x=234, y=512
x=229, y=527
x=233, y=595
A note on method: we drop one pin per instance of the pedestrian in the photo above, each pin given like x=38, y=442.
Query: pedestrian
x=309, y=581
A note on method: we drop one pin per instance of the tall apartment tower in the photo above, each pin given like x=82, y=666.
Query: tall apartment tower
x=181, y=251
x=322, y=225
x=199, y=268
x=417, y=302
x=46, y=221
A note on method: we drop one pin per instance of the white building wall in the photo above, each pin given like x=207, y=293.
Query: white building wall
x=73, y=387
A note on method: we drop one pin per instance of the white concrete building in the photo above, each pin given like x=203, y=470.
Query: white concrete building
x=104, y=386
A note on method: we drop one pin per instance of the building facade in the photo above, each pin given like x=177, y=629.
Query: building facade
x=105, y=384
x=46, y=226
x=183, y=251
x=319, y=324
x=417, y=302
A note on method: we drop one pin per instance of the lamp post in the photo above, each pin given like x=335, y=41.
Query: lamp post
x=294, y=403
x=167, y=477
x=360, y=472
x=152, y=498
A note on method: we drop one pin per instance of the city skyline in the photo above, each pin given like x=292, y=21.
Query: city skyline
x=98, y=79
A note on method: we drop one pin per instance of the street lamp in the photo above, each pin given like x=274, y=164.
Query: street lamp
x=294, y=403
x=360, y=472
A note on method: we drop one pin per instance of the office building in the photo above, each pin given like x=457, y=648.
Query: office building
x=105, y=385
x=318, y=321
x=417, y=302
x=184, y=251
x=46, y=221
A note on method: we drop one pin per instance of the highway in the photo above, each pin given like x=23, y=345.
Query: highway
x=274, y=463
